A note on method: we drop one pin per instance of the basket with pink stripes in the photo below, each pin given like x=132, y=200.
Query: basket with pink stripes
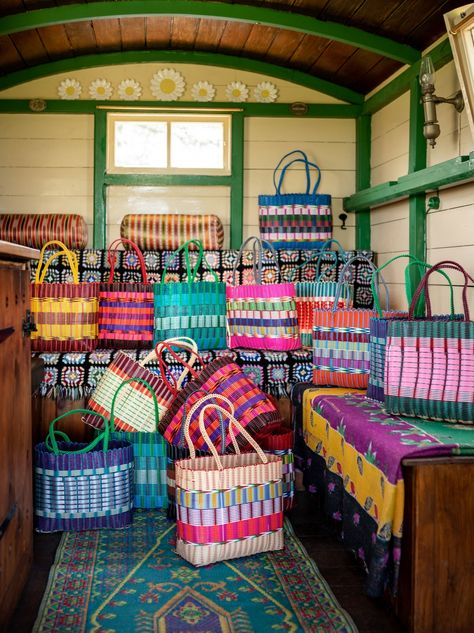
x=228, y=506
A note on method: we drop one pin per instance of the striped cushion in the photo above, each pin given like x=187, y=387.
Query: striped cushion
x=35, y=230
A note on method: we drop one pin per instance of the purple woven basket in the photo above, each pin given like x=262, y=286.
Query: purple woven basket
x=85, y=491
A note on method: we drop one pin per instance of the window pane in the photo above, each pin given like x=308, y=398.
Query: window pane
x=196, y=145
x=140, y=144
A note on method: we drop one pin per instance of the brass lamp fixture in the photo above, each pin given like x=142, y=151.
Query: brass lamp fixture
x=431, y=129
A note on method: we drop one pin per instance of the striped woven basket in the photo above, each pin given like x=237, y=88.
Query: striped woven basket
x=262, y=316
x=82, y=486
x=126, y=310
x=253, y=408
x=191, y=308
x=341, y=341
x=219, y=500
x=429, y=365
x=149, y=456
x=166, y=231
x=66, y=314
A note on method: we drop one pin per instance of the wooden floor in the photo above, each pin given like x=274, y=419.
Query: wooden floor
x=341, y=570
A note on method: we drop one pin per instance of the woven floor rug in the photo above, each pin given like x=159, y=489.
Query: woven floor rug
x=131, y=581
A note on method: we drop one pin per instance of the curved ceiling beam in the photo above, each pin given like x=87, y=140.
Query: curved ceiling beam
x=212, y=10
x=181, y=57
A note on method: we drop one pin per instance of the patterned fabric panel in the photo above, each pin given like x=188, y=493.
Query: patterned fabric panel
x=93, y=266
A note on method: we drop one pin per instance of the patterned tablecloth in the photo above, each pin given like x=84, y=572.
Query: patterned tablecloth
x=75, y=375
x=353, y=460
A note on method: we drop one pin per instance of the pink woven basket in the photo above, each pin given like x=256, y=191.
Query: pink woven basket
x=227, y=505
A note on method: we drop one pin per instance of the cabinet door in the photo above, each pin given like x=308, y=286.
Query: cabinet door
x=15, y=437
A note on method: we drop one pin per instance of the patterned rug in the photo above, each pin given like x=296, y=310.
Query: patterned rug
x=131, y=581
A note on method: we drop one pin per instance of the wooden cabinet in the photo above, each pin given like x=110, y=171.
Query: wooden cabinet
x=16, y=506
x=436, y=589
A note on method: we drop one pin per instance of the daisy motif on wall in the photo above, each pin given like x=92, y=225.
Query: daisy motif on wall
x=100, y=89
x=236, y=91
x=129, y=90
x=203, y=91
x=265, y=92
x=69, y=89
x=167, y=85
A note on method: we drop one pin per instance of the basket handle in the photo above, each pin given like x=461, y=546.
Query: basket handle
x=257, y=250
x=423, y=286
x=112, y=258
x=307, y=163
x=188, y=416
x=114, y=400
x=43, y=267
x=302, y=156
x=188, y=367
x=190, y=272
x=419, y=310
x=340, y=283
x=52, y=444
x=232, y=422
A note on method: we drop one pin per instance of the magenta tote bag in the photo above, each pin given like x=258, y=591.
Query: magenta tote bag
x=262, y=316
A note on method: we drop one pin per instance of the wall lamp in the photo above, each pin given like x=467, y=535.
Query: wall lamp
x=431, y=129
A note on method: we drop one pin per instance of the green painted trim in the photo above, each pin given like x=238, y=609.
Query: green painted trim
x=417, y=146
x=100, y=214
x=417, y=233
x=181, y=57
x=56, y=106
x=440, y=55
x=214, y=10
x=363, y=171
x=237, y=185
x=165, y=180
x=443, y=174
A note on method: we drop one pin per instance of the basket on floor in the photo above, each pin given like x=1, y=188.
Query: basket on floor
x=228, y=506
x=81, y=486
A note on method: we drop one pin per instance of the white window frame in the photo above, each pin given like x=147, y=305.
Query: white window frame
x=113, y=117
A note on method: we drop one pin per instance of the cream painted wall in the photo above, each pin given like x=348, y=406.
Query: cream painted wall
x=450, y=230
x=46, y=160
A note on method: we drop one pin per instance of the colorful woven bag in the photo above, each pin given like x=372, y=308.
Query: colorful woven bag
x=262, y=316
x=429, y=365
x=379, y=325
x=167, y=231
x=228, y=506
x=319, y=294
x=126, y=310
x=174, y=452
x=82, y=486
x=136, y=411
x=295, y=220
x=191, y=308
x=35, y=229
x=341, y=341
x=253, y=408
x=66, y=314
x=149, y=456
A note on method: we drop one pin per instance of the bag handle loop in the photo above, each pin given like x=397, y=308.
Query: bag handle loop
x=52, y=444
x=43, y=267
x=307, y=163
x=419, y=310
x=188, y=367
x=423, y=285
x=302, y=156
x=257, y=250
x=207, y=397
x=114, y=400
x=112, y=258
x=344, y=270
x=232, y=422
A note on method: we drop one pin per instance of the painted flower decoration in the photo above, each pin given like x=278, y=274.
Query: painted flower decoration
x=129, y=90
x=100, y=89
x=265, y=92
x=203, y=91
x=236, y=91
x=167, y=85
x=69, y=89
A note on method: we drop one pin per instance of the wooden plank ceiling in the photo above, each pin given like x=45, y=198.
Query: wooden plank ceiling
x=415, y=23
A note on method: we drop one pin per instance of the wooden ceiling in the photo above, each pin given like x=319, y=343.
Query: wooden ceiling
x=351, y=44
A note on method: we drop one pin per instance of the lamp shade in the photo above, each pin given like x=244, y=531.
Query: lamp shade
x=427, y=71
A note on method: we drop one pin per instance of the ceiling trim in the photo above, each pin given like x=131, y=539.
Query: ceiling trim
x=181, y=57
x=212, y=10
